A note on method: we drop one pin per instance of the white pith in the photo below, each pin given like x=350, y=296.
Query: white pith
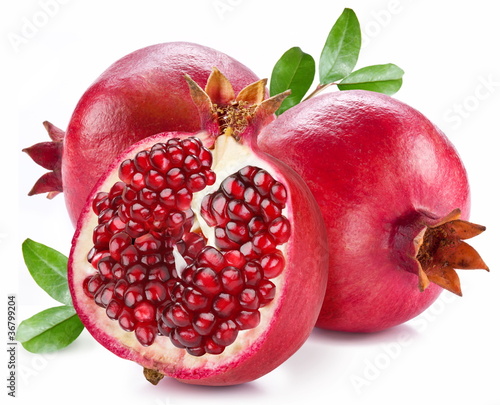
x=229, y=156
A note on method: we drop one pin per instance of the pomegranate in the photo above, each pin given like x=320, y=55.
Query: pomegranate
x=391, y=189
x=196, y=255
x=142, y=94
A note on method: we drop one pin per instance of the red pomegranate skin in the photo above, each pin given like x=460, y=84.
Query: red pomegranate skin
x=374, y=165
x=142, y=94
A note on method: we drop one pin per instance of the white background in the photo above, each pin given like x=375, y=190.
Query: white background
x=449, y=51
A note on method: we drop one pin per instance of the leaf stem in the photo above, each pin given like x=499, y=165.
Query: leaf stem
x=318, y=90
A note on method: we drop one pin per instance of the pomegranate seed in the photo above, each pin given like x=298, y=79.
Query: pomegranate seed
x=247, y=173
x=118, y=271
x=129, y=256
x=175, y=178
x=256, y=225
x=175, y=154
x=213, y=348
x=195, y=243
x=239, y=211
x=222, y=240
x=105, y=267
x=120, y=288
x=106, y=215
x=127, y=170
x=188, y=337
x=115, y=225
x=94, y=283
x=249, y=251
x=155, y=292
x=196, y=182
x=101, y=236
x=252, y=197
x=247, y=319
x=183, y=199
x=139, y=213
x=167, y=198
x=159, y=159
x=137, y=181
x=147, y=243
x=218, y=209
x=144, y=312
x=210, y=177
x=248, y=299
x=280, y=229
x=237, y=232
x=278, y=194
x=135, y=229
x=136, y=273
x=226, y=333
x=194, y=300
x=142, y=162
x=192, y=164
x=272, y=264
x=159, y=273
x=264, y=243
x=191, y=146
x=225, y=305
x=205, y=157
x=145, y=334
x=263, y=182
x=211, y=257
x=266, y=292
x=180, y=316
x=126, y=320
x=148, y=197
x=175, y=219
x=204, y=323
x=270, y=210
x=118, y=243
x=196, y=351
x=133, y=295
x=177, y=291
x=114, y=309
x=235, y=258
x=207, y=281
x=252, y=273
x=233, y=187
x=232, y=280
x=155, y=180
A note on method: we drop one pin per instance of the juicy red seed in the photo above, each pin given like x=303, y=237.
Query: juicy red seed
x=115, y=225
x=207, y=281
x=175, y=178
x=155, y=180
x=93, y=284
x=256, y=225
x=266, y=292
x=188, y=337
x=127, y=170
x=264, y=242
x=225, y=305
x=249, y=251
x=222, y=240
x=247, y=173
x=167, y=317
x=205, y=157
x=175, y=219
x=167, y=197
x=133, y=295
x=180, y=316
x=123, y=213
x=183, y=199
x=233, y=187
x=118, y=243
x=155, y=291
x=106, y=215
x=196, y=182
x=159, y=273
x=144, y=312
x=280, y=229
x=249, y=299
x=129, y=195
x=226, y=333
x=136, y=273
x=101, y=236
x=177, y=291
x=232, y=280
x=118, y=271
x=252, y=197
x=248, y=319
x=129, y=256
x=100, y=202
x=272, y=264
x=194, y=300
x=175, y=154
x=105, y=267
x=114, y=309
x=270, y=210
x=213, y=348
x=239, y=211
x=252, y=273
x=210, y=177
x=120, y=288
x=148, y=197
x=159, y=160
x=145, y=334
x=211, y=257
x=192, y=164
x=142, y=162
x=139, y=213
x=204, y=323
x=235, y=258
x=237, y=232
x=278, y=194
x=195, y=243
x=191, y=145
x=196, y=351
x=263, y=182
x=126, y=320
x=147, y=243
x=135, y=229
x=218, y=209
x=187, y=274
x=137, y=181
x=116, y=190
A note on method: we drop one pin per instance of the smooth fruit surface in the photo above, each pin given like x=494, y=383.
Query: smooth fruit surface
x=382, y=173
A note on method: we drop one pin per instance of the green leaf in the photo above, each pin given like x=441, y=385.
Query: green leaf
x=50, y=330
x=294, y=71
x=385, y=79
x=341, y=50
x=48, y=268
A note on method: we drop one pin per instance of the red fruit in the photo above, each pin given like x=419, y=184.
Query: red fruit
x=142, y=94
x=383, y=175
x=203, y=312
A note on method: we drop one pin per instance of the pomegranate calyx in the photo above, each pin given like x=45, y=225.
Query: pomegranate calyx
x=223, y=112
x=153, y=376
x=441, y=250
x=49, y=156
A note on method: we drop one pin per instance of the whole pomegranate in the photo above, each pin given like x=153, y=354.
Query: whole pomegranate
x=142, y=94
x=198, y=256
x=391, y=189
